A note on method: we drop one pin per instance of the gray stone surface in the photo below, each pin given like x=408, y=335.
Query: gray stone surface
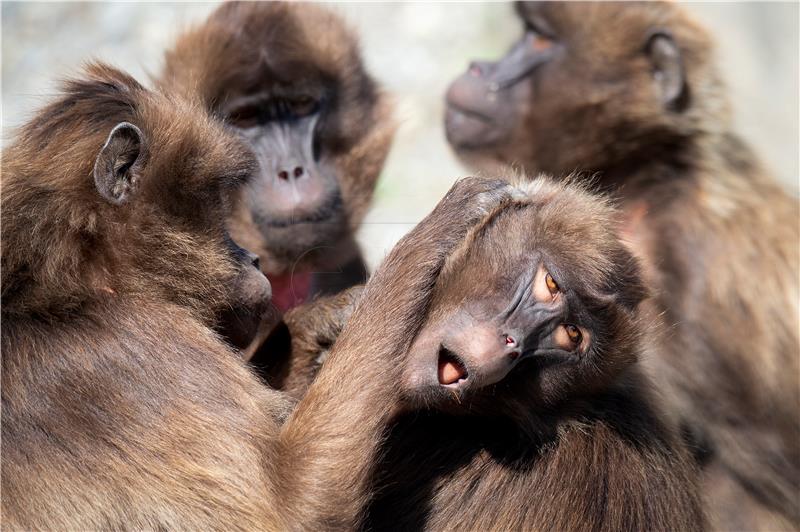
x=414, y=49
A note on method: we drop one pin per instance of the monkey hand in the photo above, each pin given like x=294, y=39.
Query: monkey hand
x=467, y=202
x=396, y=297
x=313, y=329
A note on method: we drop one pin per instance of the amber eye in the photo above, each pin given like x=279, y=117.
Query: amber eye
x=538, y=41
x=575, y=335
x=552, y=285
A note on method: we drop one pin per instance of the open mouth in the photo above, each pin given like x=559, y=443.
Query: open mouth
x=451, y=369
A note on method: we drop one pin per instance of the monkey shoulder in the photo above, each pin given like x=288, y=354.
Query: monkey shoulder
x=176, y=415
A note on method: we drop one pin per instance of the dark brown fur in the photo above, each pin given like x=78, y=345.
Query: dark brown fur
x=122, y=409
x=290, y=49
x=717, y=235
x=586, y=449
x=579, y=445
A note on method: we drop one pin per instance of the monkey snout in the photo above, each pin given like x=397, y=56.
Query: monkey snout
x=478, y=357
x=285, y=174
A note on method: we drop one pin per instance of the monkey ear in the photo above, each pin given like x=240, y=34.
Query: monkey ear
x=668, y=72
x=114, y=174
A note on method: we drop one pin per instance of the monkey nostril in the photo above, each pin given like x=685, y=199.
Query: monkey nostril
x=510, y=340
x=256, y=263
x=283, y=174
x=475, y=70
x=298, y=171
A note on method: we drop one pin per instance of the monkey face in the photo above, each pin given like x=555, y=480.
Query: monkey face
x=250, y=298
x=478, y=343
x=569, y=72
x=540, y=299
x=289, y=78
x=294, y=200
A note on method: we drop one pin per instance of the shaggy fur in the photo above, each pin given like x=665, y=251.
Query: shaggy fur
x=289, y=49
x=580, y=446
x=717, y=236
x=122, y=409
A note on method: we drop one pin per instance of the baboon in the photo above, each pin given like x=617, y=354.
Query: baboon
x=524, y=406
x=122, y=408
x=629, y=94
x=290, y=79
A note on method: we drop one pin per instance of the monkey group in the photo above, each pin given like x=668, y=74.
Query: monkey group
x=603, y=338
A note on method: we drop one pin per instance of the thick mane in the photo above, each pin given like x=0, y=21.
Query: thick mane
x=63, y=243
x=47, y=231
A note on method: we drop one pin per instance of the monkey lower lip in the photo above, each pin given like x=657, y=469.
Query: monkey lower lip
x=450, y=370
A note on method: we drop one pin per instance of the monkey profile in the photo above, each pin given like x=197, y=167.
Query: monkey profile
x=122, y=407
x=628, y=93
x=290, y=79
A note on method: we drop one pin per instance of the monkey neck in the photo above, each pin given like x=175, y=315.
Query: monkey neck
x=661, y=171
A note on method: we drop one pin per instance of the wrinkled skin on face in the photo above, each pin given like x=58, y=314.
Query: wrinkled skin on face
x=526, y=313
x=289, y=78
x=602, y=91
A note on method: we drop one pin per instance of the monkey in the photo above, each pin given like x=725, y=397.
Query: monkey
x=629, y=94
x=526, y=407
x=290, y=79
x=301, y=341
x=122, y=407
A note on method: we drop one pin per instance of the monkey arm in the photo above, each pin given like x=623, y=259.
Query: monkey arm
x=329, y=444
x=292, y=354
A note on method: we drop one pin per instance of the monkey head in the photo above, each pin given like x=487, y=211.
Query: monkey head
x=289, y=78
x=585, y=86
x=136, y=187
x=539, y=304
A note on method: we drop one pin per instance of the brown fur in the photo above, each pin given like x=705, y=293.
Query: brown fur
x=122, y=409
x=717, y=235
x=301, y=342
x=288, y=48
x=586, y=449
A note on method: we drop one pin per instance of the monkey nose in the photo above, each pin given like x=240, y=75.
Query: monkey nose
x=296, y=172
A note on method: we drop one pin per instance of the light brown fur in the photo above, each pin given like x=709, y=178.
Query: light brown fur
x=122, y=408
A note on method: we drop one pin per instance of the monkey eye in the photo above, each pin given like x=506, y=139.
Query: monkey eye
x=537, y=41
x=545, y=289
x=552, y=285
x=303, y=106
x=570, y=337
x=244, y=117
x=573, y=333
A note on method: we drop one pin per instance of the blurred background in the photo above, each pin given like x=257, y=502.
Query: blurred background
x=414, y=49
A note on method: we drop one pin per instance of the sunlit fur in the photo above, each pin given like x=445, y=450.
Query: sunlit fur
x=717, y=236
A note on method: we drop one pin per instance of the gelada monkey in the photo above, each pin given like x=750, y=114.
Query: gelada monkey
x=122, y=408
x=630, y=94
x=289, y=78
